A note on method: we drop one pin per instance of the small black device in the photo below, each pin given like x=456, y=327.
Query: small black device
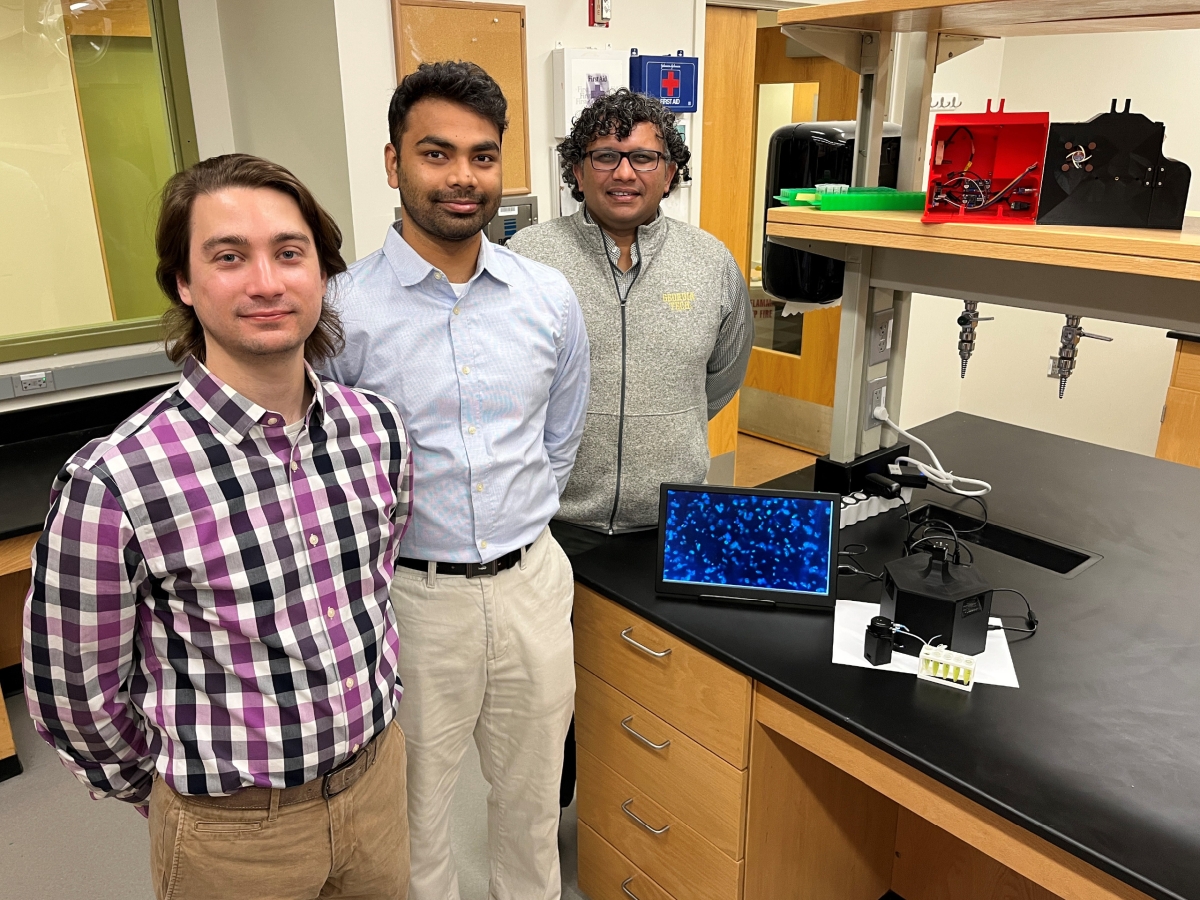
x=803, y=155
x=1110, y=170
x=938, y=600
x=878, y=646
x=749, y=545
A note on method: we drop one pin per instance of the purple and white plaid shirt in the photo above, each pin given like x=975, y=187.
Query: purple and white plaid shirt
x=210, y=595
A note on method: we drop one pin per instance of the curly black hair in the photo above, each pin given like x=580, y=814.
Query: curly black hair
x=619, y=113
x=459, y=82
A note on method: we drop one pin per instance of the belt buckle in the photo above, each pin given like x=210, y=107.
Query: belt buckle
x=326, y=794
x=474, y=570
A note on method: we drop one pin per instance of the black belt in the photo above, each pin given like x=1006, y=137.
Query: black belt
x=469, y=570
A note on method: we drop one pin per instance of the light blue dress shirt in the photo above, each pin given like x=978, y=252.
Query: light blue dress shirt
x=492, y=388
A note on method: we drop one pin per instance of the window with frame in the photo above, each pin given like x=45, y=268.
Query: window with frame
x=94, y=118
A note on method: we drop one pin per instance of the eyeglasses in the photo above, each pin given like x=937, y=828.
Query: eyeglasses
x=641, y=160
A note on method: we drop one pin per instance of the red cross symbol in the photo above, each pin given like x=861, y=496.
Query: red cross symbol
x=670, y=82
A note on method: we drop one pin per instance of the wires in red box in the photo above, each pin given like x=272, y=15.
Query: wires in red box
x=986, y=166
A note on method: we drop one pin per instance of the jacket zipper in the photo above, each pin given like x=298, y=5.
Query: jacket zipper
x=612, y=520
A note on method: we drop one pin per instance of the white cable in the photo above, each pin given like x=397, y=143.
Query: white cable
x=973, y=486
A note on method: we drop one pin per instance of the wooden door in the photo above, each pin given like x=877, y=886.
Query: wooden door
x=492, y=36
x=727, y=172
x=1179, y=436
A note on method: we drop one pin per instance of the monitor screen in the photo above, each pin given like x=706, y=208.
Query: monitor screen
x=774, y=541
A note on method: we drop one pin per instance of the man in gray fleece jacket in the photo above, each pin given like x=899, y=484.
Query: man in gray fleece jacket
x=667, y=313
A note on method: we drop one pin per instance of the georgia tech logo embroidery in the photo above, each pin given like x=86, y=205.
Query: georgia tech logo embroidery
x=679, y=302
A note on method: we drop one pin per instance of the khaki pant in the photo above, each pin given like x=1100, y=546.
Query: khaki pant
x=353, y=845
x=489, y=658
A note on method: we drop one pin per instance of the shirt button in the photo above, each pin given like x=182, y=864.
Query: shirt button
x=295, y=465
x=466, y=370
x=312, y=539
x=272, y=421
x=471, y=429
x=329, y=612
x=349, y=682
x=479, y=487
x=354, y=749
x=456, y=310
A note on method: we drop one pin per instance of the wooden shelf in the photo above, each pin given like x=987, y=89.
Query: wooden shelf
x=1000, y=18
x=1136, y=251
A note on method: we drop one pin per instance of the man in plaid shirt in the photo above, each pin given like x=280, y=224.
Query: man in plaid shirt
x=208, y=635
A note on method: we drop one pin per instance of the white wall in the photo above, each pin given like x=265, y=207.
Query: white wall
x=206, y=76
x=1115, y=396
x=285, y=95
x=368, y=77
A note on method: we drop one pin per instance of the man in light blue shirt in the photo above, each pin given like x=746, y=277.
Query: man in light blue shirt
x=486, y=356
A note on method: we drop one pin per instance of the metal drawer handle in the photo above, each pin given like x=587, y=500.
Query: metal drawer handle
x=625, y=888
x=657, y=654
x=625, y=809
x=641, y=737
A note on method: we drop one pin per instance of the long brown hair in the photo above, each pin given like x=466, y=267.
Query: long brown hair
x=173, y=239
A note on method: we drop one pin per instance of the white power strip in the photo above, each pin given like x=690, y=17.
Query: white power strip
x=859, y=507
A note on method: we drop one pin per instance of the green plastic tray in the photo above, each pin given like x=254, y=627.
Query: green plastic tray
x=857, y=198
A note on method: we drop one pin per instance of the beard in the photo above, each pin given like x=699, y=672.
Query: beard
x=426, y=212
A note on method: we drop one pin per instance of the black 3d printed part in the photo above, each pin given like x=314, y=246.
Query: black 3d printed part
x=937, y=600
x=877, y=648
x=1111, y=171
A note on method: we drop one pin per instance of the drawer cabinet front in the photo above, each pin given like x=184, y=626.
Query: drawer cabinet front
x=677, y=857
x=677, y=773
x=706, y=700
x=604, y=874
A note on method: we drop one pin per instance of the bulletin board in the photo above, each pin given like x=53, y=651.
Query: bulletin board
x=492, y=36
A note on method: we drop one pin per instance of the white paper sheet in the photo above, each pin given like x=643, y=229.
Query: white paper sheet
x=850, y=621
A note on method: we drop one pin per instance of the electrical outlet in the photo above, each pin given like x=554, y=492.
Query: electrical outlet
x=35, y=382
x=876, y=395
x=880, y=349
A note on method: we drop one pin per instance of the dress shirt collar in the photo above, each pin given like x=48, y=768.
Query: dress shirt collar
x=412, y=269
x=230, y=414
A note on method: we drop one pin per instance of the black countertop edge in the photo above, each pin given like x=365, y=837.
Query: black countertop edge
x=18, y=532
x=1184, y=336
x=1121, y=873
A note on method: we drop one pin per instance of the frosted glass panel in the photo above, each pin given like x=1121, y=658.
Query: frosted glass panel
x=51, y=266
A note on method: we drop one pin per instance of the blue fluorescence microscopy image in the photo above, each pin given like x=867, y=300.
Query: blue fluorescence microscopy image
x=775, y=543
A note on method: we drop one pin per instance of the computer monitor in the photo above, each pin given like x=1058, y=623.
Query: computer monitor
x=753, y=545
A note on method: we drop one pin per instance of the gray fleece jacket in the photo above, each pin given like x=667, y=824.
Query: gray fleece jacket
x=664, y=361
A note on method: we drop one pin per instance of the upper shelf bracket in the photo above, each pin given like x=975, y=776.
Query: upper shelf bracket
x=859, y=50
x=856, y=50
x=952, y=46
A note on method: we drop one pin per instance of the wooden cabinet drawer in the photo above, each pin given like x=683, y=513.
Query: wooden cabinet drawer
x=684, y=778
x=604, y=874
x=706, y=700
x=1187, y=366
x=678, y=859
